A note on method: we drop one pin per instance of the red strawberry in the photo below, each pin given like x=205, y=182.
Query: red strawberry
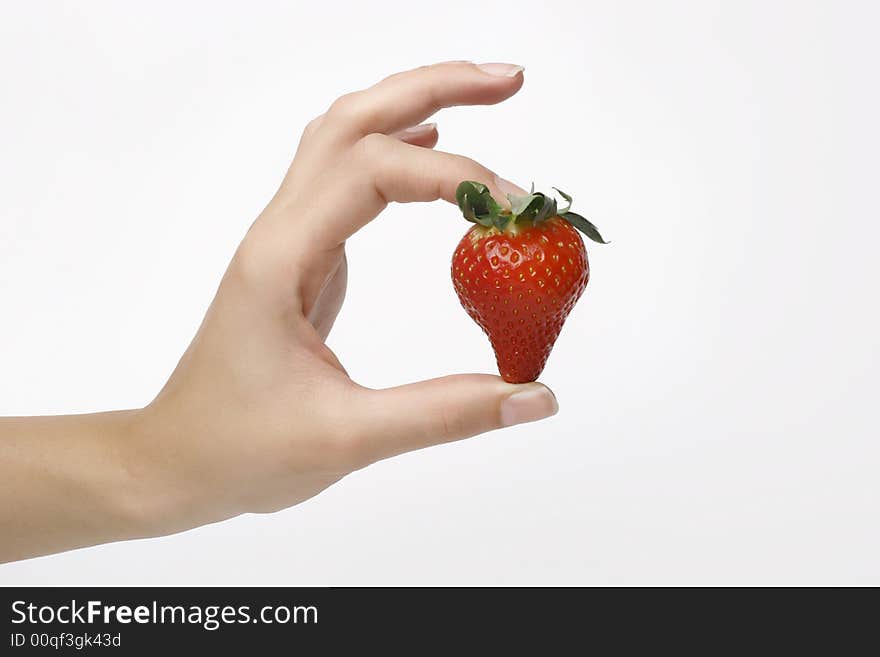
x=519, y=272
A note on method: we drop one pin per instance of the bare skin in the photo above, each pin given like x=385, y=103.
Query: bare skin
x=259, y=414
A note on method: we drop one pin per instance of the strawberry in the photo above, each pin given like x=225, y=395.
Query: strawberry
x=519, y=272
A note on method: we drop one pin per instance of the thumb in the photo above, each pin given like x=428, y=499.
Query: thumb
x=450, y=408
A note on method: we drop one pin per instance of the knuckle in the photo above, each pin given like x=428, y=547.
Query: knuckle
x=344, y=444
x=251, y=264
x=313, y=126
x=394, y=77
x=357, y=110
x=262, y=263
x=372, y=147
x=450, y=425
x=345, y=450
x=344, y=107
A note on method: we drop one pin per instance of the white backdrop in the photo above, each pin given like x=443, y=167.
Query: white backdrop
x=717, y=383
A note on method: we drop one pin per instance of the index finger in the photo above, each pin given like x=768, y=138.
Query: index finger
x=406, y=99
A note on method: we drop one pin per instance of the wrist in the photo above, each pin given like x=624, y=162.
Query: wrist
x=152, y=496
x=130, y=491
x=169, y=487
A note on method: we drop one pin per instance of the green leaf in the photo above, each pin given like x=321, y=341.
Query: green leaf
x=476, y=203
x=532, y=207
x=520, y=205
x=466, y=210
x=547, y=210
x=500, y=221
x=567, y=200
x=583, y=225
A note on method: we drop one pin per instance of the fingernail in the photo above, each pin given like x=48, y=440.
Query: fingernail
x=535, y=402
x=419, y=129
x=501, y=70
x=508, y=187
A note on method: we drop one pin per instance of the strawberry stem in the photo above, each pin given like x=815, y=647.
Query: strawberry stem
x=478, y=206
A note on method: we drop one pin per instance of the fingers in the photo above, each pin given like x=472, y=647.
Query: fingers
x=442, y=410
x=384, y=169
x=403, y=173
x=384, y=156
x=408, y=98
x=424, y=135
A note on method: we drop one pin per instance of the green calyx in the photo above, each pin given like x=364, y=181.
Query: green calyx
x=478, y=206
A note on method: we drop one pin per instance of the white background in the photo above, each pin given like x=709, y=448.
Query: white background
x=718, y=381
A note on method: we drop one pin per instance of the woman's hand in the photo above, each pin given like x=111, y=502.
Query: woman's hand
x=259, y=414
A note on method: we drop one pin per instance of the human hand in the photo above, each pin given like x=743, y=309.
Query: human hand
x=259, y=414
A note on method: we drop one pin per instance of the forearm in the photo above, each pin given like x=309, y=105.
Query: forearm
x=65, y=482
